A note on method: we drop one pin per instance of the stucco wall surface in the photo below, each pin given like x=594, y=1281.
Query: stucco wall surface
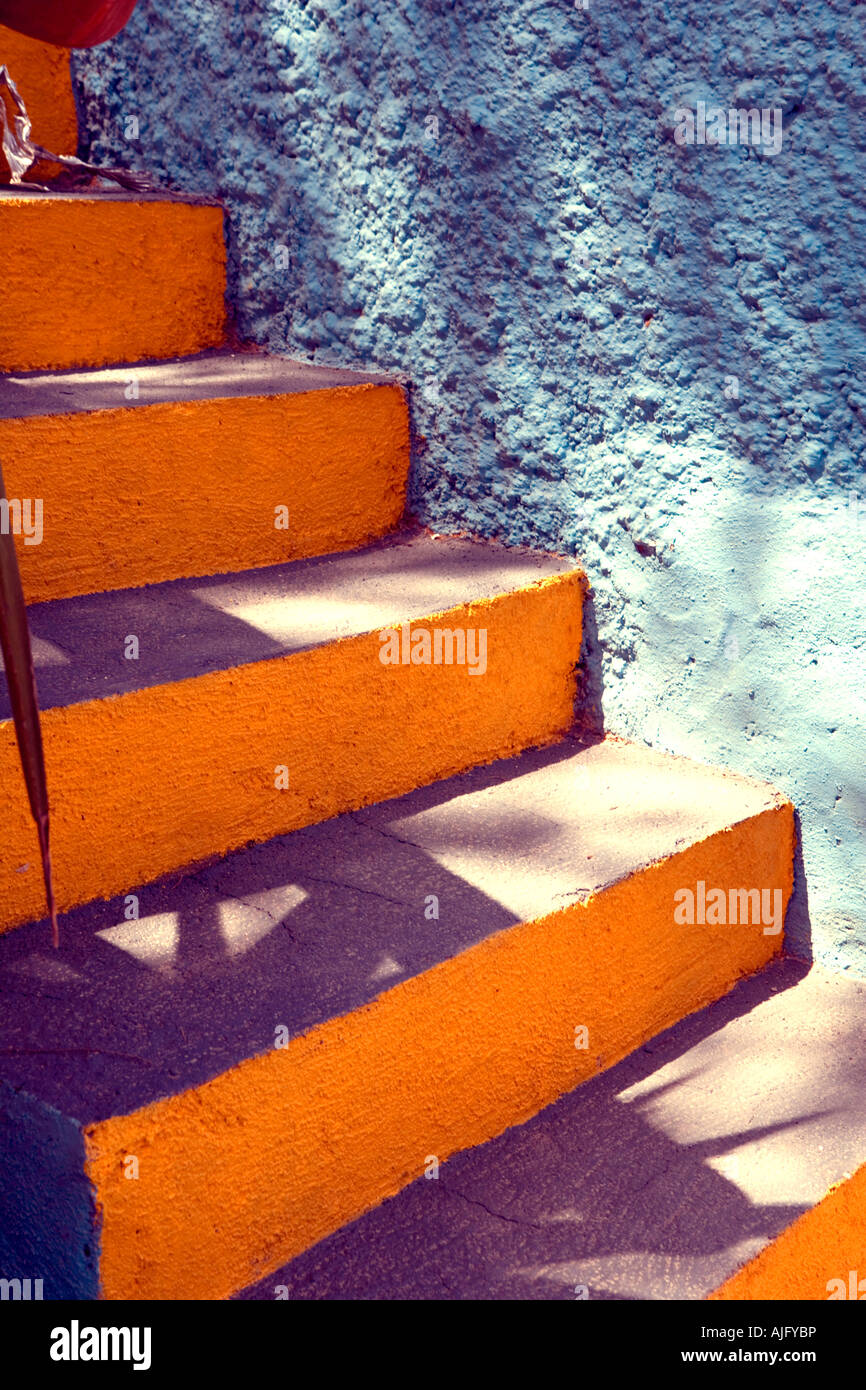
x=646, y=352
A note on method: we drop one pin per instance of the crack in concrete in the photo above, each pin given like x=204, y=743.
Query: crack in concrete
x=218, y=896
x=310, y=878
x=354, y=888
x=386, y=834
x=500, y=1216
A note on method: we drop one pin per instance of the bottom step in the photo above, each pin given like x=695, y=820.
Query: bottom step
x=654, y=1181
x=193, y=1096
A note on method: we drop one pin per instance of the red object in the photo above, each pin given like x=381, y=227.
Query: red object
x=68, y=23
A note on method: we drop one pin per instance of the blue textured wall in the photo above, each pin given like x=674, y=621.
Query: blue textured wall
x=649, y=353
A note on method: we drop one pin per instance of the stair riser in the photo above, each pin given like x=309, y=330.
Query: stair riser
x=822, y=1255
x=150, y=781
x=336, y=460
x=241, y=1174
x=94, y=281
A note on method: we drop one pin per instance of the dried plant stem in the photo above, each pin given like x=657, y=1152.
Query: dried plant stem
x=20, y=151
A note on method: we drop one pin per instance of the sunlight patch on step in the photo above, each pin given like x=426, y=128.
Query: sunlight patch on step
x=45, y=653
x=387, y=968
x=151, y=940
x=241, y=928
x=155, y=941
x=772, y=1101
x=297, y=620
x=640, y=1274
x=771, y=1171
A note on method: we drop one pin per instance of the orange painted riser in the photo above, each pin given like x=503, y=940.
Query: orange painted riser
x=187, y=770
x=41, y=73
x=93, y=280
x=242, y=1173
x=138, y=496
x=808, y=1260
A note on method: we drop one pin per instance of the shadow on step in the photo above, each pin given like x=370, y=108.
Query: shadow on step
x=294, y=931
x=652, y=1181
x=589, y=703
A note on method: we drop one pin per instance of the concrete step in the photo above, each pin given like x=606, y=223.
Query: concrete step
x=201, y=465
x=656, y=1180
x=279, y=1041
x=204, y=714
x=41, y=73
x=95, y=278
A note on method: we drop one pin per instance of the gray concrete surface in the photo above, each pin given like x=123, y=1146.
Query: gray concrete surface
x=209, y=375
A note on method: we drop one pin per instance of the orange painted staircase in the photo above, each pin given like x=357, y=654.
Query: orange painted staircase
x=344, y=895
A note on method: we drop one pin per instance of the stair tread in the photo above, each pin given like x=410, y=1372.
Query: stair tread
x=319, y=922
x=217, y=374
x=188, y=627
x=626, y=1186
x=16, y=194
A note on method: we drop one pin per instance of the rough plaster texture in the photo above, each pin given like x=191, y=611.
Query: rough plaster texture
x=648, y=353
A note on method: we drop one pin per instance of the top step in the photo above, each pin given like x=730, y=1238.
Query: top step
x=102, y=277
